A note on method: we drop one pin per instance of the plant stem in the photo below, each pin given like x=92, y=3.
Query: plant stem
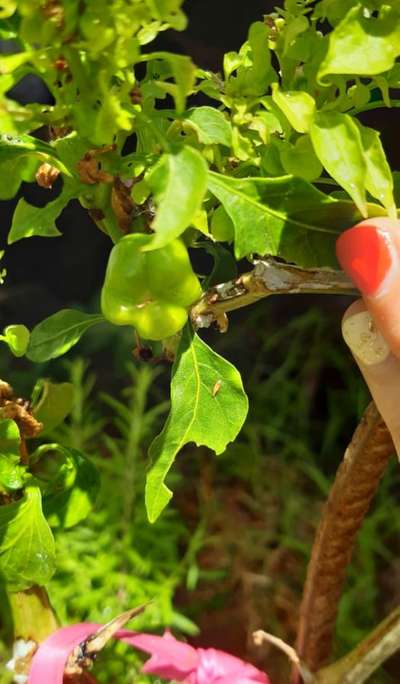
x=32, y=614
x=357, y=666
x=355, y=484
x=268, y=277
x=378, y=104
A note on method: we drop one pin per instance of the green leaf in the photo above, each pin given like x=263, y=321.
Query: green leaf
x=225, y=267
x=70, y=150
x=379, y=179
x=8, y=63
x=297, y=106
x=285, y=217
x=27, y=551
x=7, y=8
x=10, y=437
x=55, y=403
x=211, y=126
x=13, y=145
x=222, y=228
x=363, y=43
x=300, y=159
x=254, y=72
x=337, y=143
x=208, y=407
x=182, y=70
x=20, y=156
x=73, y=485
x=57, y=334
x=12, y=474
x=15, y=170
x=168, y=11
x=179, y=183
x=17, y=338
x=30, y=221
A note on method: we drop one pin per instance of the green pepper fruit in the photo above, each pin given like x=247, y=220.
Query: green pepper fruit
x=150, y=290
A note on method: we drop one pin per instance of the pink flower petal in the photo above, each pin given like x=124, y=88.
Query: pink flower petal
x=170, y=658
x=218, y=667
x=48, y=663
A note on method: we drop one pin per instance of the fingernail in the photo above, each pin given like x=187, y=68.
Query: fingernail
x=366, y=254
x=364, y=338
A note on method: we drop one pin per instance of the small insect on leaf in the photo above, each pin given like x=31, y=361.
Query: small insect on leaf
x=216, y=388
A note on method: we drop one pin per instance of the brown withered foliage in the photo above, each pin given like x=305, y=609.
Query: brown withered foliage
x=122, y=204
x=18, y=409
x=46, y=175
x=89, y=167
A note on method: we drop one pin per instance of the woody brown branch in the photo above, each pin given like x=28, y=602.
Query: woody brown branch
x=355, y=484
x=268, y=277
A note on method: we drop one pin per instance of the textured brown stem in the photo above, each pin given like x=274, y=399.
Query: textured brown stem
x=268, y=277
x=356, y=482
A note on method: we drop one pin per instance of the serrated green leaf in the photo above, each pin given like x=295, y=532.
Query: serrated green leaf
x=297, y=106
x=55, y=403
x=211, y=126
x=362, y=43
x=27, y=550
x=179, y=183
x=17, y=338
x=285, y=217
x=337, y=143
x=57, y=334
x=208, y=407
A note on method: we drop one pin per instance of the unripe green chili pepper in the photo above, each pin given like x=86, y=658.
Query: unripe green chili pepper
x=150, y=290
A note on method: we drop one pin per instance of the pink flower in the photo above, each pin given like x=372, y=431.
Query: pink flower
x=170, y=659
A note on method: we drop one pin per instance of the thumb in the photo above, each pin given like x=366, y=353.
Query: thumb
x=379, y=367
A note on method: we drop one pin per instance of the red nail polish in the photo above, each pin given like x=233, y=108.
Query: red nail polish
x=364, y=255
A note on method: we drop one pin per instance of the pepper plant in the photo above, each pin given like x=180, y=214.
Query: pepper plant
x=264, y=162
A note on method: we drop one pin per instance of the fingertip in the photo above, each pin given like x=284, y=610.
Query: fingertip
x=354, y=308
x=363, y=337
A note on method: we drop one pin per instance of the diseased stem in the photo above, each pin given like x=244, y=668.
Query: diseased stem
x=357, y=666
x=356, y=482
x=268, y=277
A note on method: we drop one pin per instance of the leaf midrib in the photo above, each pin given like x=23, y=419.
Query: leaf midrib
x=99, y=317
x=268, y=209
